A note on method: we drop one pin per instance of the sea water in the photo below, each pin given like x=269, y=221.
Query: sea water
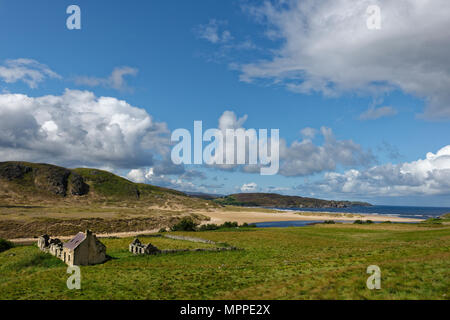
x=396, y=211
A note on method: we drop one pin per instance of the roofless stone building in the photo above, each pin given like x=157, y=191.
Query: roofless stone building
x=138, y=248
x=84, y=249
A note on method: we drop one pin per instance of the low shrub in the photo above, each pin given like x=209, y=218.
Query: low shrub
x=209, y=227
x=329, y=222
x=433, y=221
x=363, y=222
x=229, y=224
x=185, y=224
x=246, y=225
x=226, y=225
x=5, y=245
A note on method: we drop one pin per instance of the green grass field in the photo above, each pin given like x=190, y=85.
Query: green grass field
x=317, y=262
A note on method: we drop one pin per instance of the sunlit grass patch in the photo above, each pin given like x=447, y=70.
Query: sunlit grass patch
x=317, y=262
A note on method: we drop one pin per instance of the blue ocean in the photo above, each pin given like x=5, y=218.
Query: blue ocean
x=396, y=211
x=405, y=212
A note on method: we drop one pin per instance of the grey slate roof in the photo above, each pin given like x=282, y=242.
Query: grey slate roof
x=75, y=242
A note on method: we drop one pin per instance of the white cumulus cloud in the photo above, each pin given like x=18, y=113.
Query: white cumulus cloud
x=304, y=158
x=301, y=157
x=325, y=46
x=28, y=71
x=249, y=187
x=78, y=128
x=115, y=81
x=429, y=176
x=212, y=32
x=376, y=113
x=176, y=180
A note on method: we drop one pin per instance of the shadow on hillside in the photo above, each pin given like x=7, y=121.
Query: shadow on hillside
x=20, y=207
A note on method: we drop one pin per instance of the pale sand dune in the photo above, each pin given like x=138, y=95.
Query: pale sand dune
x=219, y=217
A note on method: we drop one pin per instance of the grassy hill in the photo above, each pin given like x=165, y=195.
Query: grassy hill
x=43, y=198
x=280, y=201
x=48, y=182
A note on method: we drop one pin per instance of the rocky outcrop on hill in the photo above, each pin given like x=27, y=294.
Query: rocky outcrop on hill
x=55, y=180
x=77, y=185
x=13, y=171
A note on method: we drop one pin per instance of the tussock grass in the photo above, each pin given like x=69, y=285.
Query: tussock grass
x=315, y=262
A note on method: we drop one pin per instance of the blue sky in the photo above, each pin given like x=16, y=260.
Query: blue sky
x=384, y=106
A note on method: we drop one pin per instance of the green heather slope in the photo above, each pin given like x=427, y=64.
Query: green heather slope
x=279, y=201
x=106, y=184
x=30, y=182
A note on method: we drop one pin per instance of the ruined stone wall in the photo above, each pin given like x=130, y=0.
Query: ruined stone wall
x=137, y=248
x=199, y=250
x=43, y=242
x=192, y=239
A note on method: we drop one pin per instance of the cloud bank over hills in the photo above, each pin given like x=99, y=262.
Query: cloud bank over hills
x=429, y=176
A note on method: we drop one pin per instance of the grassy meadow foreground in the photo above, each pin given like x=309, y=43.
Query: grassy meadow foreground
x=316, y=262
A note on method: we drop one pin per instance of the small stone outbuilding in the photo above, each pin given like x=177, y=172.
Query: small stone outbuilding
x=136, y=247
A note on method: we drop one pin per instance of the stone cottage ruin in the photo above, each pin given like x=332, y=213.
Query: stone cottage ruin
x=84, y=249
x=136, y=247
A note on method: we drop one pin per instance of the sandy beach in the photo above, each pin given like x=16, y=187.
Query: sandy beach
x=219, y=217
